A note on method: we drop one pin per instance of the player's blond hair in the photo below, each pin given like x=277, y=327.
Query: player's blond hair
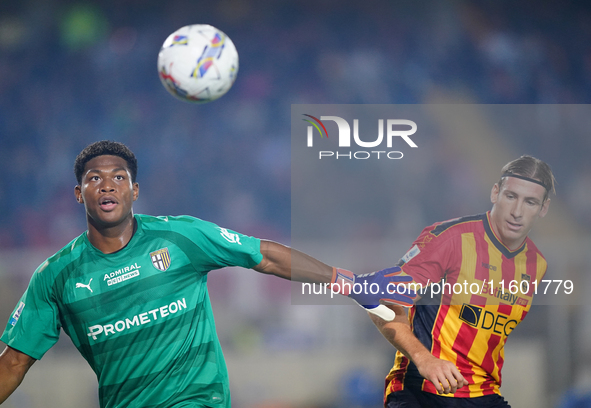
x=529, y=167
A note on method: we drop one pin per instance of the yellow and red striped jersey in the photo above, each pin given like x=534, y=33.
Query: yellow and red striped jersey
x=485, y=290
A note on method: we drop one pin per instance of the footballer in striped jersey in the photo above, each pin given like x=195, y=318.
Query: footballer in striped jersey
x=450, y=345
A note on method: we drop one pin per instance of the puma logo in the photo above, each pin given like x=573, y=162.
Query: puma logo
x=81, y=285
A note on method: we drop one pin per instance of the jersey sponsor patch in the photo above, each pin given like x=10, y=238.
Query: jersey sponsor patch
x=476, y=316
x=230, y=237
x=17, y=314
x=137, y=320
x=160, y=259
x=123, y=278
x=414, y=251
x=122, y=274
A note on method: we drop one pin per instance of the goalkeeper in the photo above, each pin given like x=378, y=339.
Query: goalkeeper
x=131, y=294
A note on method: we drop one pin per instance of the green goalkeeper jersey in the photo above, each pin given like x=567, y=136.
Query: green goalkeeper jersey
x=141, y=316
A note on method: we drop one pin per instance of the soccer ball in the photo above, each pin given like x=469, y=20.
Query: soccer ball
x=198, y=63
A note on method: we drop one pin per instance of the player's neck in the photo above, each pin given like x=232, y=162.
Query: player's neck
x=110, y=239
x=512, y=245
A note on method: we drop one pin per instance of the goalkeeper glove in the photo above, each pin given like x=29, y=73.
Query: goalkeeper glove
x=372, y=289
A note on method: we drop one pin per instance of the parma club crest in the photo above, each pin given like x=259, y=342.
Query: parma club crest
x=160, y=259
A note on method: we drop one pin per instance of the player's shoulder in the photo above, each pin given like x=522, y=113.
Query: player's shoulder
x=176, y=223
x=456, y=225
x=65, y=256
x=443, y=233
x=533, y=248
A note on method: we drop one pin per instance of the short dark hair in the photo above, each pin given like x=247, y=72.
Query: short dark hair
x=529, y=166
x=102, y=148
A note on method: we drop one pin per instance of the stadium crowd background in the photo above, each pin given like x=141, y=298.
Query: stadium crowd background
x=75, y=72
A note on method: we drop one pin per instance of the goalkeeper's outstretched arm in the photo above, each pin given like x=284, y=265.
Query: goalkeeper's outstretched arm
x=288, y=263
x=13, y=367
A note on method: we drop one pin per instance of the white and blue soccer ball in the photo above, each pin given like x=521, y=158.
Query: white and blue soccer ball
x=198, y=63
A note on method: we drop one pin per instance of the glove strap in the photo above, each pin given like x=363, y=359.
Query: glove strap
x=342, y=281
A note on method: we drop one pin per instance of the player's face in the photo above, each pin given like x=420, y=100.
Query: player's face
x=517, y=204
x=107, y=191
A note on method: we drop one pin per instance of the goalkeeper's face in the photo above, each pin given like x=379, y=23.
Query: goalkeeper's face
x=107, y=192
x=517, y=204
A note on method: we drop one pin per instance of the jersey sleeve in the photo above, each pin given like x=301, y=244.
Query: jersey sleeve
x=429, y=257
x=224, y=247
x=34, y=325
